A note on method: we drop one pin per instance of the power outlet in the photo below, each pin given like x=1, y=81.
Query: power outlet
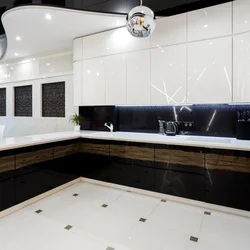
x=186, y=126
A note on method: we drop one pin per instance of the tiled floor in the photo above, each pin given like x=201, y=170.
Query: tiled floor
x=92, y=217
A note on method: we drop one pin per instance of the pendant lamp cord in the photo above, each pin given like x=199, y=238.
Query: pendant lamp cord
x=141, y=2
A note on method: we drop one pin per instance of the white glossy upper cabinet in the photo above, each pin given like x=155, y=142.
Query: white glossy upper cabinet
x=241, y=90
x=210, y=71
x=77, y=83
x=94, y=46
x=77, y=48
x=93, y=82
x=168, y=75
x=116, y=75
x=138, y=78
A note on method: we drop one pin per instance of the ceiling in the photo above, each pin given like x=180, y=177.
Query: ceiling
x=40, y=30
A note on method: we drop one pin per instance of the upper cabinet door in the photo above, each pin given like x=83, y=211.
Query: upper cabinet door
x=94, y=46
x=93, y=82
x=241, y=89
x=116, y=75
x=77, y=83
x=138, y=78
x=210, y=71
x=77, y=46
x=168, y=75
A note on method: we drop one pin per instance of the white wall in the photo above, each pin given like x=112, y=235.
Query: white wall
x=54, y=68
x=201, y=56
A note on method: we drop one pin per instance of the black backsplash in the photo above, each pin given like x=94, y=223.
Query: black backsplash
x=209, y=120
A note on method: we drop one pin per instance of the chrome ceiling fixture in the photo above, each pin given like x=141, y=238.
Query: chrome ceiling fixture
x=141, y=21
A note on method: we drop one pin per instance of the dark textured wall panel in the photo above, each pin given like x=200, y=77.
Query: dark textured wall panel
x=23, y=101
x=53, y=99
x=3, y=102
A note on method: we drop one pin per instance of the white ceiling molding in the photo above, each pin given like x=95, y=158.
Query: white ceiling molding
x=39, y=30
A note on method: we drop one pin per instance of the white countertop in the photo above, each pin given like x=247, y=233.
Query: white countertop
x=179, y=140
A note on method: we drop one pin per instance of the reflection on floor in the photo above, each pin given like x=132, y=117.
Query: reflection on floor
x=92, y=217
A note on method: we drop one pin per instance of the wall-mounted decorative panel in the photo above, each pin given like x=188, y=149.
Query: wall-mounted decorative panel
x=23, y=101
x=53, y=99
x=3, y=102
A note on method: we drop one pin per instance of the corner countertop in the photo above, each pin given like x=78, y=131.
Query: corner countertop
x=179, y=140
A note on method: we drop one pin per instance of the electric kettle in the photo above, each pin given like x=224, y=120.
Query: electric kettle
x=171, y=128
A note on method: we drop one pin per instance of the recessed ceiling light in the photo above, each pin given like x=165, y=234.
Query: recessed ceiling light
x=16, y=54
x=48, y=16
x=205, y=26
x=34, y=59
x=48, y=64
x=18, y=38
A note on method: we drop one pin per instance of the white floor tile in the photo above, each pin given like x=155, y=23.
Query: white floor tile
x=145, y=237
x=177, y=216
x=224, y=231
x=136, y=204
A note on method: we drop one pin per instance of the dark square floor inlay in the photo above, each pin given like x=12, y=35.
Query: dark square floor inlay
x=39, y=211
x=104, y=205
x=53, y=99
x=194, y=239
x=142, y=220
x=207, y=213
x=75, y=195
x=68, y=227
x=23, y=101
x=110, y=248
x=163, y=200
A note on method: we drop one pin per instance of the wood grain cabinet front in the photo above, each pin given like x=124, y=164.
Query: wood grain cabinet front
x=186, y=159
x=33, y=157
x=66, y=150
x=7, y=167
x=94, y=147
x=133, y=153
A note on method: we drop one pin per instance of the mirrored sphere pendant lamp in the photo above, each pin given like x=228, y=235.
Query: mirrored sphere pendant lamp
x=141, y=21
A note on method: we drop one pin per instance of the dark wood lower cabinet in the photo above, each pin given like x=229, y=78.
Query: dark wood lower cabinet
x=219, y=177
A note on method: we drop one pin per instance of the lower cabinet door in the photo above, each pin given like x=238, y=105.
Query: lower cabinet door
x=7, y=194
x=133, y=176
x=180, y=184
x=228, y=188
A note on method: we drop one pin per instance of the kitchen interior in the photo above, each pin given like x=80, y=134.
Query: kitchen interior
x=125, y=125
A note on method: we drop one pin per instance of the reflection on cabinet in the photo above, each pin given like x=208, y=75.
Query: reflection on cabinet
x=116, y=75
x=93, y=82
x=168, y=72
x=180, y=171
x=180, y=184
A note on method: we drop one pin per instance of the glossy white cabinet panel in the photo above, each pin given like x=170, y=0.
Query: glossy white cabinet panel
x=120, y=41
x=241, y=21
x=169, y=30
x=138, y=78
x=94, y=45
x=210, y=71
x=77, y=83
x=23, y=71
x=4, y=73
x=56, y=65
x=93, y=82
x=241, y=83
x=77, y=49
x=210, y=22
x=168, y=74
x=116, y=79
